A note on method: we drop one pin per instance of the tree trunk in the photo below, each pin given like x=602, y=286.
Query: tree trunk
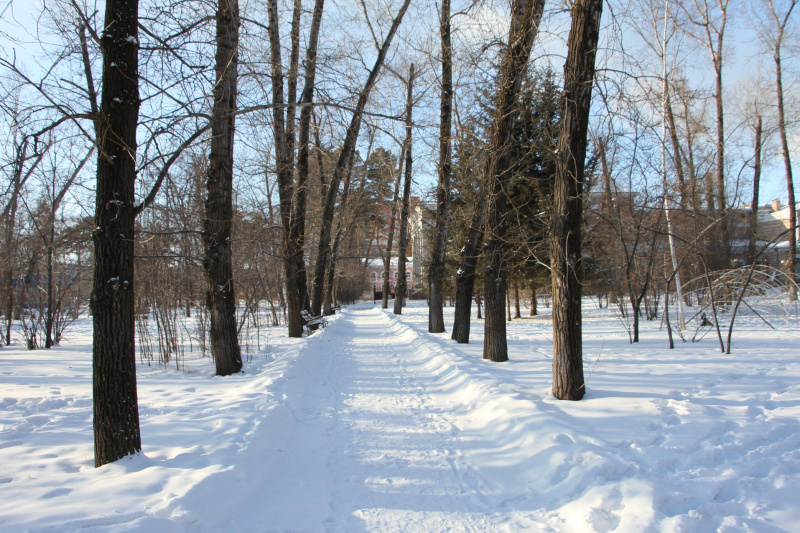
x=465, y=277
x=402, y=280
x=9, y=249
x=297, y=231
x=478, y=305
x=565, y=244
x=534, y=312
x=525, y=17
x=791, y=263
x=517, y=313
x=50, y=314
x=284, y=173
x=387, y=258
x=436, y=269
x=676, y=150
x=116, y=407
x=722, y=205
x=344, y=162
x=753, y=214
x=217, y=262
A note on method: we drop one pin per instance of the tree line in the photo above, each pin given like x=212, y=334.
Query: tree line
x=221, y=157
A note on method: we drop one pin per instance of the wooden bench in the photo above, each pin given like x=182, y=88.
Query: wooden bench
x=312, y=322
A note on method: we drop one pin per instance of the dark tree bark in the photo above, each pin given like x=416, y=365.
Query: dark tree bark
x=283, y=128
x=465, y=276
x=297, y=231
x=293, y=200
x=387, y=257
x=517, y=312
x=534, y=311
x=116, y=408
x=436, y=269
x=753, y=214
x=343, y=164
x=525, y=17
x=565, y=243
x=217, y=262
x=402, y=281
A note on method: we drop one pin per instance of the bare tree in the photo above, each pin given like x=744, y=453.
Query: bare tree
x=752, y=225
x=402, y=281
x=709, y=18
x=344, y=162
x=780, y=20
x=565, y=244
x=217, y=262
x=116, y=408
x=436, y=269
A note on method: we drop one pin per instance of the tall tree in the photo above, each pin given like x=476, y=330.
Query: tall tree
x=752, y=224
x=217, y=262
x=344, y=162
x=709, y=19
x=565, y=244
x=775, y=39
x=116, y=408
x=525, y=17
x=292, y=202
x=436, y=270
x=402, y=279
x=297, y=232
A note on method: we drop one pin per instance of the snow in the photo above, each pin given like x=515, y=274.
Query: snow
x=373, y=424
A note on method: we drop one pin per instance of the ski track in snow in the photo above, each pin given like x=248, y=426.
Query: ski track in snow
x=373, y=424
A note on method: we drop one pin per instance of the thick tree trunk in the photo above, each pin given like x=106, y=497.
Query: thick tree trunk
x=217, y=263
x=565, y=244
x=345, y=161
x=465, y=276
x=297, y=232
x=525, y=17
x=517, y=312
x=478, y=305
x=293, y=298
x=436, y=269
x=116, y=407
x=402, y=281
x=753, y=214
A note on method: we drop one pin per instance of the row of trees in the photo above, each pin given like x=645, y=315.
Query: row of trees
x=256, y=146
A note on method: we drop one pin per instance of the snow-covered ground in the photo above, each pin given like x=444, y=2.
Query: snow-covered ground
x=373, y=424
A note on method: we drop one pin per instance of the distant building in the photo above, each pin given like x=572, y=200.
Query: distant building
x=373, y=241
x=773, y=221
x=375, y=273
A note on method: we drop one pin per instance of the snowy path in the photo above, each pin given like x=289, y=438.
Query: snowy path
x=374, y=424
x=364, y=448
